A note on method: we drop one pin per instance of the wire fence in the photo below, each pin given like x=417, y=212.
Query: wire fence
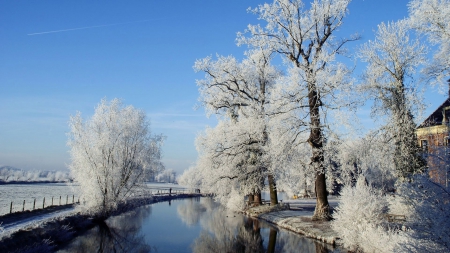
x=21, y=206
x=37, y=203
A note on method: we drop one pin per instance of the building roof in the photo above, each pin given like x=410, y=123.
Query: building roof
x=437, y=116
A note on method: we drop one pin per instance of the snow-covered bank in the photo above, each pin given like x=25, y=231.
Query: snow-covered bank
x=10, y=223
x=298, y=222
x=295, y=215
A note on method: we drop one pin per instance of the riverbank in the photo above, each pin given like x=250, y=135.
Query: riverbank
x=295, y=215
x=50, y=235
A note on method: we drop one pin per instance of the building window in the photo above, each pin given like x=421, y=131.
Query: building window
x=424, y=145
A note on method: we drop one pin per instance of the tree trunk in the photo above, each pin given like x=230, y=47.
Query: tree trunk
x=321, y=211
x=272, y=240
x=320, y=248
x=257, y=199
x=251, y=200
x=273, y=190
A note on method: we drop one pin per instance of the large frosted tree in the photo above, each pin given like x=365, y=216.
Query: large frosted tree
x=392, y=59
x=305, y=37
x=111, y=153
x=235, y=150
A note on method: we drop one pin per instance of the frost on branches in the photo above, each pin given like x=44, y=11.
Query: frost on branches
x=392, y=60
x=361, y=222
x=432, y=18
x=232, y=156
x=359, y=218
x=428, y=214
x=304, y=37
x=111, y=154
x=370, y=156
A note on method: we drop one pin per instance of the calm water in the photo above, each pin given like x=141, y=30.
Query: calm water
x=190, y=225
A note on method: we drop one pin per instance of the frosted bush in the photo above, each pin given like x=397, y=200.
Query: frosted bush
x=360, y=223
x=236, y=201
x=359, y=219
x=428, y=215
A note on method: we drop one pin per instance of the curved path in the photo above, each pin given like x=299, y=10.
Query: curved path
x=15, y=221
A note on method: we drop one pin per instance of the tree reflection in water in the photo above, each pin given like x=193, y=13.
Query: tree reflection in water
x=204, y=226
x=223, y=231
x=117, y=234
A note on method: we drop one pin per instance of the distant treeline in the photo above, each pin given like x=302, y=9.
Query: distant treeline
x=10, y=175
x=166, y=176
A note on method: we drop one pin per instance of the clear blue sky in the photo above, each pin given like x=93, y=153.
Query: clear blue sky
x=59, y=57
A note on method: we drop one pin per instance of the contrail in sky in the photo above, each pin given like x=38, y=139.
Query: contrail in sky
x=89, y=27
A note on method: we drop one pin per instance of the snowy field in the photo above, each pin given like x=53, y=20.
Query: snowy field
x=17, y=193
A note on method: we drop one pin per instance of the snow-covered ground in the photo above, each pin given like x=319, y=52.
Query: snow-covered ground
x=310, y=203
x=34, y=220
x=17, y=193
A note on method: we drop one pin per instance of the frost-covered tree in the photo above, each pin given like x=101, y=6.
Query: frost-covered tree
x=111, y=153
x=168, y=176
x=370, y=156
x=432, y=18
x=235, y=150
x=190, y=178
x=392, y=59
x=304, y=36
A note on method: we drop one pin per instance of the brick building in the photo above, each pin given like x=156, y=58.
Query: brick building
x=433, y=135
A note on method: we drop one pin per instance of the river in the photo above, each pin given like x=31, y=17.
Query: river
x=190, y=225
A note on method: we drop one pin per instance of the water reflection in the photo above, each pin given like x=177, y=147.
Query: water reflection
x=191, y=210
x=223, y=231
x=119, y=234
x=191, y=225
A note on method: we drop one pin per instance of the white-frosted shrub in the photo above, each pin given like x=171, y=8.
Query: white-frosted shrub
x=236, y=201
x=360, y=220
x=427, y=206
x=361, y=224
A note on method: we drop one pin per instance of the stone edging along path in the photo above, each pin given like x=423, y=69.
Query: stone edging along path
x=298, y=221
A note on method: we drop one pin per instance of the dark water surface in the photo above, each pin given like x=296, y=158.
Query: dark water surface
x=190, y=225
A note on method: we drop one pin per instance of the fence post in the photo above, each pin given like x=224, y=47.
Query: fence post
x=59, y=200
x=23, y=207
x=67, y=199
x=73, y=199
x=34, y=204
x=52, y=201
x=43, y=203
x=10, y=208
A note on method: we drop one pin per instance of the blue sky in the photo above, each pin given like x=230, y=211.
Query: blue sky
x=59, y=57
